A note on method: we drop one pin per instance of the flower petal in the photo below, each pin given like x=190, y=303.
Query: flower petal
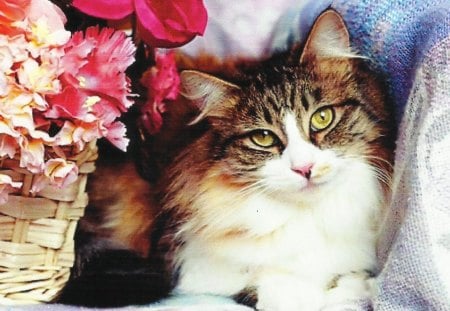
x=45, y=24
x=106, y=9
x=7, y=185
x=67, y=104
x=60, y=172
x=162, y=82
x=11, y=11
x=116, y=135
x=170, y=23
x=32, y=155
x=151, y=117
x=8, y=146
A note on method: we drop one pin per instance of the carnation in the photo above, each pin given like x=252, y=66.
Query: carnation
x=162, y=82
x=57, y=90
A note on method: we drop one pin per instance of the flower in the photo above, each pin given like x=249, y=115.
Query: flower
x=7, y=185
x=117, y=9
x=12, y=11
x=57, y=89
x=60, y=172
x=38, y=78
x=57, y=173
x=32, y=154
x=160, y=23
x=162, y=82
x=8, y=146
x=46, y=25
x=95, y=88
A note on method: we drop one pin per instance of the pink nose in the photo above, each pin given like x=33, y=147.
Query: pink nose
x=304, y=170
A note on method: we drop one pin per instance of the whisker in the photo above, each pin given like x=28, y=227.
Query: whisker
x=382, y=175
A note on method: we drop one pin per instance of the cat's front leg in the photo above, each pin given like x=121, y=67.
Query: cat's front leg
x=350, y=287
x=284, y=292
x=203, y=275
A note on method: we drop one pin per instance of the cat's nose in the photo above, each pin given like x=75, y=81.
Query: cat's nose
x=304, y=170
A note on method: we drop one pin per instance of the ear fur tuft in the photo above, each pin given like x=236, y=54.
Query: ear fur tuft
x=210, y=94
x=328, y=38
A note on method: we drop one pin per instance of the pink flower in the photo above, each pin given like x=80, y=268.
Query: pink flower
x=52, y=82
x=162, y=82
x=115, y=135
x=95, y=88
x=161, y=23
x=7, y=185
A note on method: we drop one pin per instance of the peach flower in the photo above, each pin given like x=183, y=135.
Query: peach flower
x=7, y=185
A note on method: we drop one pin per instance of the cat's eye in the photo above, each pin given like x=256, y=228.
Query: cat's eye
x=322, y=118
x=264, y=138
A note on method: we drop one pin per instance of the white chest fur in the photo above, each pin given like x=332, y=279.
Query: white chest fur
x=328, y=232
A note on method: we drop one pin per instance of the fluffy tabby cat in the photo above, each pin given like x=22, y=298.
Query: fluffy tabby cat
x=279, y=191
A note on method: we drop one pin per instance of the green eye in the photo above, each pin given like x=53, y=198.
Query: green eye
x=322, y=118
x=264, y=138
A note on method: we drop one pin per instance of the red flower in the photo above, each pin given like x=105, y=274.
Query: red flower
x=161, y=23
x=162, y=82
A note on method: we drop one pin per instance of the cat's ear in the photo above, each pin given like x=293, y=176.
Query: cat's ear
x=328, y=38
x=211, y=95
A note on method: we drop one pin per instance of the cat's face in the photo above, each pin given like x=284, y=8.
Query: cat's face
x=295, y=129
x=300, y=134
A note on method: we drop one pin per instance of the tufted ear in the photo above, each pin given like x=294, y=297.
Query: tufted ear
x=328, y=38
x=211, y=95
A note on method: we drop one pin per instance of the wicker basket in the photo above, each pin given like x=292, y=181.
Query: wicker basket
x=36, y=233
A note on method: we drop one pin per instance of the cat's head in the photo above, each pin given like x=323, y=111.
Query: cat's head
x=297, y=124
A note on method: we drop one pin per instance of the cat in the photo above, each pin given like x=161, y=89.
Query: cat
x=275, y=191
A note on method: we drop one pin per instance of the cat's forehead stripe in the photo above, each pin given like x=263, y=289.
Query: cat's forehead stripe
x=305, y=102
x=309, y=98
x=267, y=115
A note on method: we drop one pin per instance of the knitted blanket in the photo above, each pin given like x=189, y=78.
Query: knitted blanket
x=409, y=40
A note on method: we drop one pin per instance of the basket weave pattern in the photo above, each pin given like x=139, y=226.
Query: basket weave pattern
x=37, y=230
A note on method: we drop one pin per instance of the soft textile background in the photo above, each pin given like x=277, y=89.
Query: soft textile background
x=409, y=41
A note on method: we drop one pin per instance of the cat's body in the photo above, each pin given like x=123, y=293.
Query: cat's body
x=280, y=189
x=294, y=219
x=290, y=252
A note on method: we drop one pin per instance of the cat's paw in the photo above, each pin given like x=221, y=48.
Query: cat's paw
x=289, y=294
x=281, y=300
x=351, y=287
